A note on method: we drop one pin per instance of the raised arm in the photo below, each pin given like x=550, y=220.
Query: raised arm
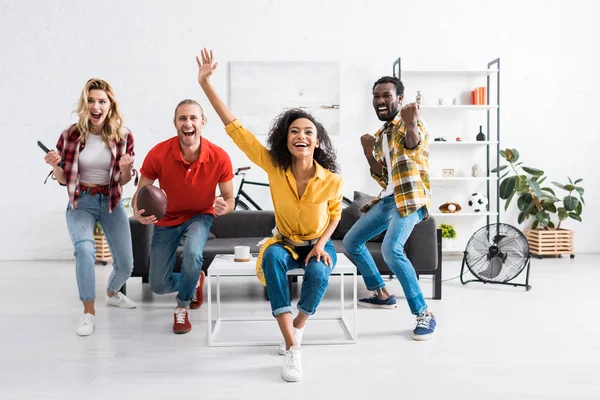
x=206, y=67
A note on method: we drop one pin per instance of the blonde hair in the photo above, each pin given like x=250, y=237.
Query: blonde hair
x=112, y=129
x=189, y=102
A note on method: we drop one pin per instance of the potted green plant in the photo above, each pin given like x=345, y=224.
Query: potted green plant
x=448, y=235
x=541, y=203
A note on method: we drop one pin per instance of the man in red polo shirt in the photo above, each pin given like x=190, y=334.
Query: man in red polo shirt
x=188, y=168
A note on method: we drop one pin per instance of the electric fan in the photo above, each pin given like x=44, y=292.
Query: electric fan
x=497, y=253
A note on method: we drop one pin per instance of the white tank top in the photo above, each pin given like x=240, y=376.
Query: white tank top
x=94, y=161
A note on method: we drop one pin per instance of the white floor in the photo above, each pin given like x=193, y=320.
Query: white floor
x=493, y=342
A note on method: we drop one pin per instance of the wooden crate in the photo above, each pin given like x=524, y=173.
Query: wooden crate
x=551, y=242
x=102, y=251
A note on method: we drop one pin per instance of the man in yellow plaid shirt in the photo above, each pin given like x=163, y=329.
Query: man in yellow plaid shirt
x=398, y=156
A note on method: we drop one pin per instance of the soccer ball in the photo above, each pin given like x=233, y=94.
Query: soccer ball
x=478, y=202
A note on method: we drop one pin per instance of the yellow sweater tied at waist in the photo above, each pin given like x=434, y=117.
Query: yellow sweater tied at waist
x=266, y=242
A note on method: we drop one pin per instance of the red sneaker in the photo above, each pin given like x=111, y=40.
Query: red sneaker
x=198, y=298
x=182, y=323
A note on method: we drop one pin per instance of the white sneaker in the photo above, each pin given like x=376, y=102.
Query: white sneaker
x=85, y=325
x=292, y=365
x=297, y=337
x=120, y=300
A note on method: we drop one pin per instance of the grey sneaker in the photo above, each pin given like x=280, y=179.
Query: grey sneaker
x=297, y=337
x=120, y=300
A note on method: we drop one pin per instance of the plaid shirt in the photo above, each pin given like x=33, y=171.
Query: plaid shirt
x=410, y=167
x=69, y=147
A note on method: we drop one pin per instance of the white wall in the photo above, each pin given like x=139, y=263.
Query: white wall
x=48, y=50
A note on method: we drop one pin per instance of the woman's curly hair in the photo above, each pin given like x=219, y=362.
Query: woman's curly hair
x=278, y=136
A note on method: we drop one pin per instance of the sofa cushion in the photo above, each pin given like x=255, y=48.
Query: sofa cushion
x=351, y=214
x=242, y=223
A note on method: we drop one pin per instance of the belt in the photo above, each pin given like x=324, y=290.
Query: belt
x=302, y=243
x=95, y=190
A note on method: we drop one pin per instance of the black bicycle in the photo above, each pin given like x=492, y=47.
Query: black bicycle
x=241, y=205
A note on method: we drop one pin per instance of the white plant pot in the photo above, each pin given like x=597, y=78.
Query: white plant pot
x=447, y=243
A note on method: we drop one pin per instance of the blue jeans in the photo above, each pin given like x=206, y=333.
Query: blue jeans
x=80, y=224
x=384, y=215
x=165, y=241
x=277, y=261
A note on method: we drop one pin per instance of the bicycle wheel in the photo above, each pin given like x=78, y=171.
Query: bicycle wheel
x=345, y=202
x=240, y=205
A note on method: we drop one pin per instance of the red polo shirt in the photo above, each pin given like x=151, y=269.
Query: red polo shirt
x=190, y=187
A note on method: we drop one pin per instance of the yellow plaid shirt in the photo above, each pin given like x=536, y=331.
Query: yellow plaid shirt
x=410, y=167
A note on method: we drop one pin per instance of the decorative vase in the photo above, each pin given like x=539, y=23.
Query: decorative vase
x=447, y=243
x=480, y=136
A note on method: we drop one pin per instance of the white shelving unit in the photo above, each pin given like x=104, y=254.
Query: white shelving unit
x=464, y=72
x=458, y=106
x=463, y=143
x=447, y=99
x=464, y=178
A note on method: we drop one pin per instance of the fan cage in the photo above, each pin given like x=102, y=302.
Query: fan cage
x=497, y=253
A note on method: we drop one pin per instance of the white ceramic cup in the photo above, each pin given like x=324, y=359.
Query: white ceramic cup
x=241, y=253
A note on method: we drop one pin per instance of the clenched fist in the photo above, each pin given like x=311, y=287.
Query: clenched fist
x=368, y=143
x=126, y=161
x=410, y=113
x=220, y=206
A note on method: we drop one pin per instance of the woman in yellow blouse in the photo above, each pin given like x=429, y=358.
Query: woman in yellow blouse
x=307, y=197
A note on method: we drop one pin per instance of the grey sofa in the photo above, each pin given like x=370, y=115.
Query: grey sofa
x=247, y=228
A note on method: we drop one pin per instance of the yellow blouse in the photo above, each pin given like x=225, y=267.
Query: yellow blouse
x=298, y=219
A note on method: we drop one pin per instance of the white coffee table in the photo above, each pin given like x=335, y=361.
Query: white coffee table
x=224, y=266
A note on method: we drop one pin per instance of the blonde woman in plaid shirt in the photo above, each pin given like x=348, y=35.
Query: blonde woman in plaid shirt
x=98, y=159
x=399, y=160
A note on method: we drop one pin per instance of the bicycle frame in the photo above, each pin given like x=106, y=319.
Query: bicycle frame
x=245, y=195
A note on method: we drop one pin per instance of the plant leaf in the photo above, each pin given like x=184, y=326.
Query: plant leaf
x=535, y=187
x=570, y=188
x=579, y=209
x=515, y=154
x=508, y=154
x=543, y=218
x=542, y=180
x=559, y=185
x=577, y=181
x=570, y=203
x=504, y=176
x=579, y=190
x=535, y=224
x=524, y=201
x=507, y=187
x=522, y=217
x=575, y=216
x=503, y=153
x=568, y=177
x=533, y=171
x=502, y=167
x=551, y=224
x=548, y=205
x=509, y=200
x=547, y=189
x=562, y=213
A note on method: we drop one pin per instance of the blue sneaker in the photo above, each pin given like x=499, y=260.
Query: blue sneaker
x=376, y=302
x=425, y=327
